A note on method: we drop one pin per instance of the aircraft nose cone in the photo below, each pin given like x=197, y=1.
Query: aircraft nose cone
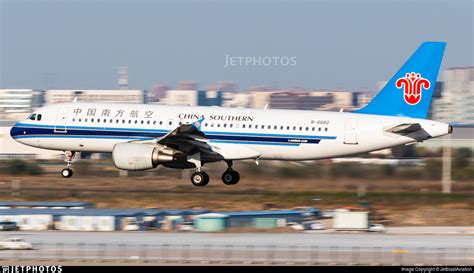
x=14, y=131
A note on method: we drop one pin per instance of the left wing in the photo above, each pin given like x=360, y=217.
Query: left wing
x=189, y=139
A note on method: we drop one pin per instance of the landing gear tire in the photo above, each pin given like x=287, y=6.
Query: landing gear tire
x=66, y=173
x=199, y=179
x=230, y=177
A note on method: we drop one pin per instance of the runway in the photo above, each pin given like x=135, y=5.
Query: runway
x=289, y=239
x=243, y=248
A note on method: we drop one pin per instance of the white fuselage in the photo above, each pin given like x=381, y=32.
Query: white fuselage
x=274, y=134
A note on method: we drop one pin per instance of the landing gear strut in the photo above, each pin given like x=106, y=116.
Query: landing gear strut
x=230, y=177
x=67, y=172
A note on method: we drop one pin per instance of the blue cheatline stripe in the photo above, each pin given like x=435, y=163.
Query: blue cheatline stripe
x=154, y=131
x=17, y=131
x=79, y=136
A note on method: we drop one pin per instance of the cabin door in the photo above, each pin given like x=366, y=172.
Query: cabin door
x=61, y=118
x=350, y=131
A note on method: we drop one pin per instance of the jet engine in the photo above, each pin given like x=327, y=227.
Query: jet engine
x=135, y=156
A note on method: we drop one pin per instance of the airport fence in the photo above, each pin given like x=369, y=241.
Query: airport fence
x=102, y=253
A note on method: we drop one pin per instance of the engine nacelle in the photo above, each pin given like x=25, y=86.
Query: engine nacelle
x=135, y=157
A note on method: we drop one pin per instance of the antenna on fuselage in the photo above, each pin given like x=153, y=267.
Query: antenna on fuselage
x=265, y=107
x=75, y=99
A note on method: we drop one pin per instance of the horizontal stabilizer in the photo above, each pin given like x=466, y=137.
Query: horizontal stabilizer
x=404, y=128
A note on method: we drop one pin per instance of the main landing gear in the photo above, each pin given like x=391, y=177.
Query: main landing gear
x=230, y=177
x=199, y=178
x=67, y=172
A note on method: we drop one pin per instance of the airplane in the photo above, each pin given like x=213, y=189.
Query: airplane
x=143, y=136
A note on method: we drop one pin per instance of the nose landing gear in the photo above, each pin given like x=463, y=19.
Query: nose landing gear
x=67, y=172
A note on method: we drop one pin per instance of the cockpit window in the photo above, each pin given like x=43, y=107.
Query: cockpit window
x=33, y=117
x=38, y=118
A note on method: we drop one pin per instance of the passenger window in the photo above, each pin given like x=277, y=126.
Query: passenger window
x=154, y=122
x=263, y=126
x=326, y=129
x=231, y=125
x=269, y=127
x=307, y=128
x=80, y=120
x=319, y=129
x=225, y=125
x=148, y=122
x=38, y=118
x=301, y=128
x=218, y=125
x=275, y=127
x=73, y=119
x=129, y=121
x=281, y=127
x=250, y=126
x=294, y=128
x=243, y=126
x=287, y=127
x=312, y=129
x=123, y=121
x=205, y=124
x=85, y=120
x=136, y=121
x=142, y=122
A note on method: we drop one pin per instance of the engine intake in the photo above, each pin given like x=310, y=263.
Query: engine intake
x=135, y=156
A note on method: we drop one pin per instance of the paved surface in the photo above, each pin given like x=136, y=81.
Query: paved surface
x=288, y=239
x=243, y=248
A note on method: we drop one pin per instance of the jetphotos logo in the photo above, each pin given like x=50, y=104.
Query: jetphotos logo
x=31, y=269
x=412, y=84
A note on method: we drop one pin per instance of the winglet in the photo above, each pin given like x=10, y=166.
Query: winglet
x=198, y=123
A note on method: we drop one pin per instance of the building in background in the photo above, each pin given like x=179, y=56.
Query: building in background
x=299, y=100
x=456, y=104
x=16, y=104
x=225, y=86
x=187, y=85
x=181, y=97
x=128, y=96
x=193, y=98
x=157, y=92
x=236, y=99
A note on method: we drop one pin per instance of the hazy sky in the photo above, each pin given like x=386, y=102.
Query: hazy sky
x=337, y=44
